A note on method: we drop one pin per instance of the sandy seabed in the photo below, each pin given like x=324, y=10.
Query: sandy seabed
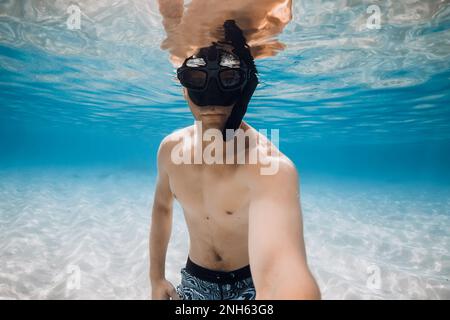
x=79, y=234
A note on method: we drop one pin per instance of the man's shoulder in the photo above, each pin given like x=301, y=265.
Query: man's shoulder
x=284, y=165
x=172, y=139
x=175, y=137
x=272, y=165
x=274, y=175
x=268, y=153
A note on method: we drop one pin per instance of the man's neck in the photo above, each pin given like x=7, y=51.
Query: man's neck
x=227, y=145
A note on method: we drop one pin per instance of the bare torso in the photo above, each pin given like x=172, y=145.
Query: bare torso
x=215, y=200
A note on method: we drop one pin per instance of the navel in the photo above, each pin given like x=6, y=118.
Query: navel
x=229, y=212
x=217, y=256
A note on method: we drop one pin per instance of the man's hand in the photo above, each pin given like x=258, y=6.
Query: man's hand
x=164, y=290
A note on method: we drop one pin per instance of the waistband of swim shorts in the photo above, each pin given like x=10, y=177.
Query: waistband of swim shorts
x=217, y=276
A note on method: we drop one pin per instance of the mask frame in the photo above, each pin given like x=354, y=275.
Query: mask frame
x=212, y=70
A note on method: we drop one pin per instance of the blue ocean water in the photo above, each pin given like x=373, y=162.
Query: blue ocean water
x=363, y=113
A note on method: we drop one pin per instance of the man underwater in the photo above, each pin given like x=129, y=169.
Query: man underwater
x=245, y=228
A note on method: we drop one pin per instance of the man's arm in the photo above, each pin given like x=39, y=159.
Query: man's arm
x=276, y=245
x=161, y=227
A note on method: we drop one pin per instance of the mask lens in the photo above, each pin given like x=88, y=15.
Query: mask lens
x=230, y=78
x=195, y=79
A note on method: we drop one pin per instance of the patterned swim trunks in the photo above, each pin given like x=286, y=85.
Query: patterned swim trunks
x=198, y=283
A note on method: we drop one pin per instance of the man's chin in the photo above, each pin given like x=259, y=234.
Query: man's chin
x=212, y=122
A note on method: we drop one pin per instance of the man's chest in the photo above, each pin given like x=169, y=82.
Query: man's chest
x=209, y=191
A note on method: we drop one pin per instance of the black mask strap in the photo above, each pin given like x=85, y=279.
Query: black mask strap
x=240, y=108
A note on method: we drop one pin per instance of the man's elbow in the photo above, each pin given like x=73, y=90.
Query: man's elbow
x=162, y=208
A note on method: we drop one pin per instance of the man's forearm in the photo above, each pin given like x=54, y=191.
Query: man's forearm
x=304, y=291
x=287, y=280
x=290, y=288
x=159, y=239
